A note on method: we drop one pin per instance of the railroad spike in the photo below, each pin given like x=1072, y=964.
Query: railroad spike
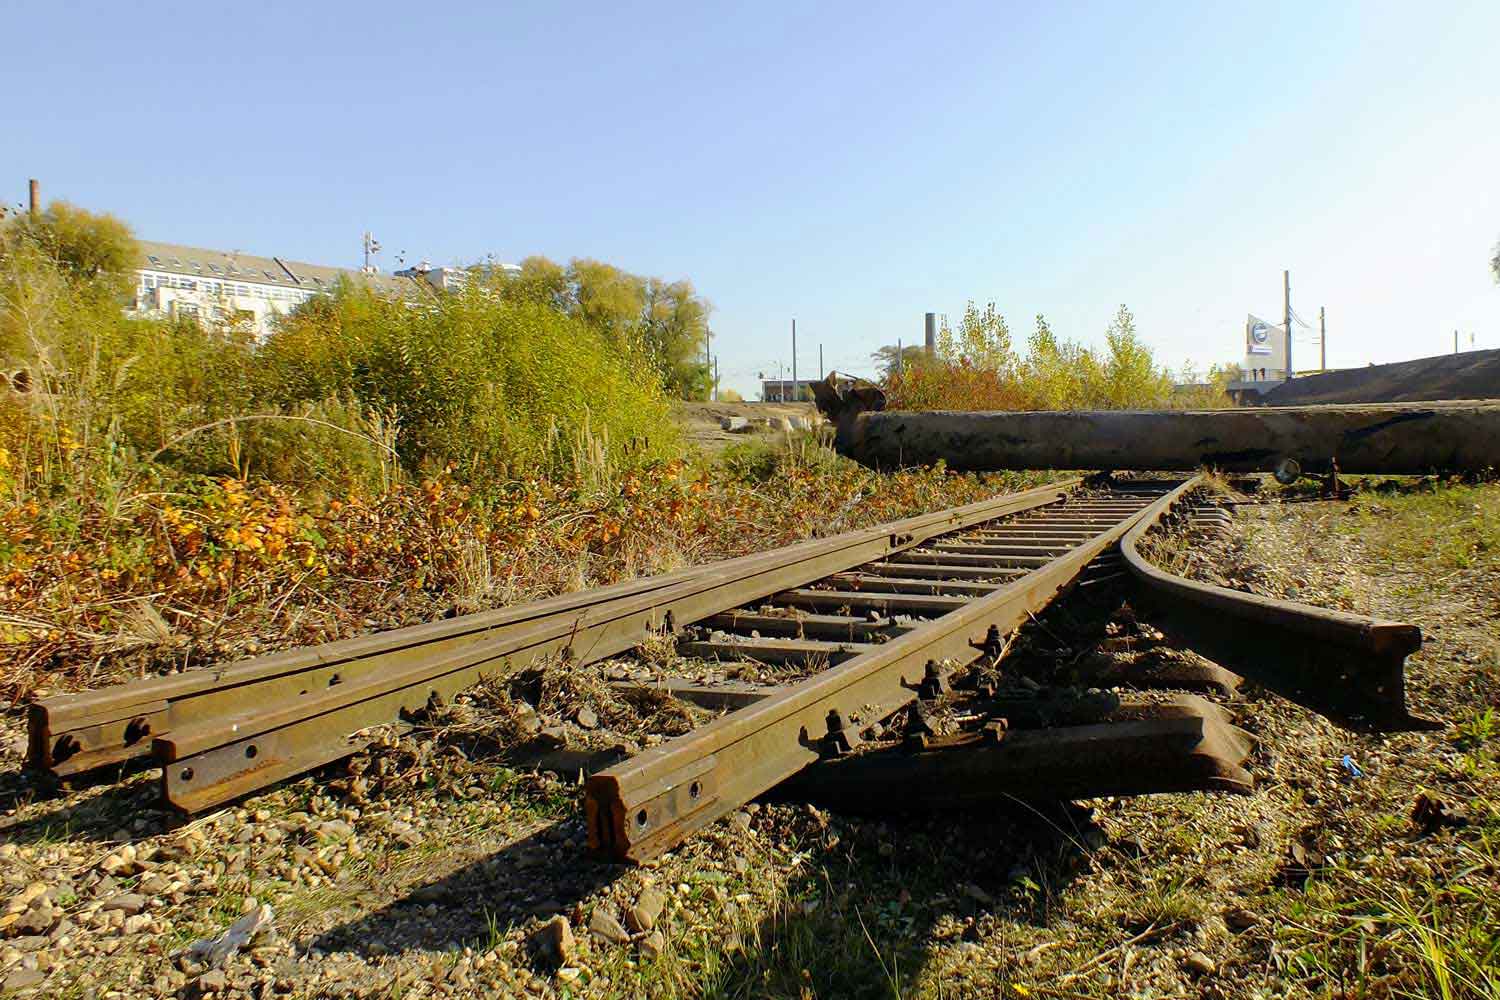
x=993, y=646
x=837, y=742
x=934, y=683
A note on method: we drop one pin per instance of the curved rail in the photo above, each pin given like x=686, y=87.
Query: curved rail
x=1348, y=667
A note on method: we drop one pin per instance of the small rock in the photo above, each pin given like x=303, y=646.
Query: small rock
x=741, y=821
x=153, y=884
x=336, y=829
x=213, y=981
x=129, y=903
x=1240, y=919
x=119, y=864
x=604, y=926
x=653, y=944
x=526, y=719
x=586, y=718
x=553, y=736
x=1199, y=964
x=23, y=900
x=22, y=979
x=552, y=943
x=642, y=916
x=136, y=924
x=37, y=920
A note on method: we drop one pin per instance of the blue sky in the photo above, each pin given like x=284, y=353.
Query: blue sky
x=851, y=165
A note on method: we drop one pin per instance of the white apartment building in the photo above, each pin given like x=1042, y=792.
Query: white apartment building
x=213, y=285
x=451, y=279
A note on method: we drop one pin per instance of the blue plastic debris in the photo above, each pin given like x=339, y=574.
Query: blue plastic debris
x=1352, y=768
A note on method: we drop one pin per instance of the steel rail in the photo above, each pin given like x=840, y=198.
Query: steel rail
x=1348, y=667
x=72, y=733
x=655, y=800
x=213, y=760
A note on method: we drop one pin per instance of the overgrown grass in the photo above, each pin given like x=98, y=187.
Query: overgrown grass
x=1450, y=527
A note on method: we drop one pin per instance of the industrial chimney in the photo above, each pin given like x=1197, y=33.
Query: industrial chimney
x=931, y=334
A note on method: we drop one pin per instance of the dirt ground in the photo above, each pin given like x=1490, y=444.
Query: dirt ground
x=701, y=420
x=441, y=863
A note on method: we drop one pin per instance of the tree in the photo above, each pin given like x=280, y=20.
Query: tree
x=892, y=359
x=668, y=320
x=982, y=340
x=92, y=247
x=607, y=298
x=1058, y=375
x=543, y=282
x=674, y=331
x=1131, y=377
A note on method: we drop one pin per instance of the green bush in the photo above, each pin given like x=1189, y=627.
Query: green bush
x=472, y=381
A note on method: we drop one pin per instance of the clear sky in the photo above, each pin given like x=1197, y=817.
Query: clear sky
x=851, y=165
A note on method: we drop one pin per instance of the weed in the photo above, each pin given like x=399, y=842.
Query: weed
x=1477, y=730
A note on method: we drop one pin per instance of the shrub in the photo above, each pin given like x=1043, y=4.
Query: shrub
x=978, y=368
x=472, y=381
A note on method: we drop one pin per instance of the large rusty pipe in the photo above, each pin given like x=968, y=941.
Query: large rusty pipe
x=1394, y=438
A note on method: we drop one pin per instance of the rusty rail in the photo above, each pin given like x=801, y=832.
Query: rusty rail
x=655, y=800
x=1350, y=668
x=226, y=731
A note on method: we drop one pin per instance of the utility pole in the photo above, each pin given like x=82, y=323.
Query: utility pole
x=821, y=372
x=716, y=380
x=794, y=361
x=1322, y=342
x=900, y=359
x=1286, y=287
x=1455, y=341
